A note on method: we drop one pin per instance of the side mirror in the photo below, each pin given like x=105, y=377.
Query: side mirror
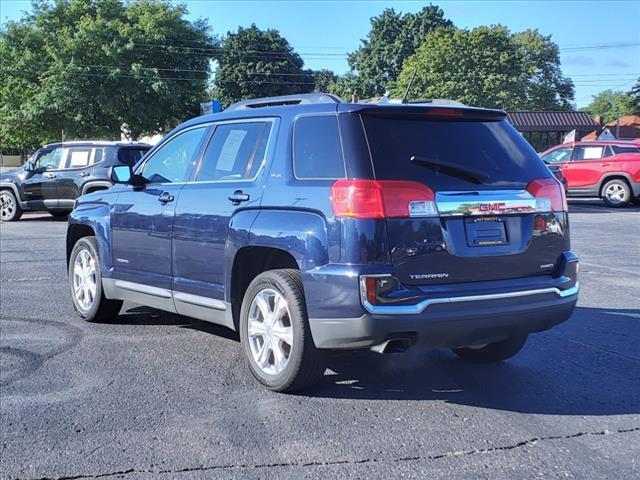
x=121, y=174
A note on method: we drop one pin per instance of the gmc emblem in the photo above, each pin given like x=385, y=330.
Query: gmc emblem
x=491, y=207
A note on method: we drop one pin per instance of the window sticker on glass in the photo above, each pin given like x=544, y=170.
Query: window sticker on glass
x=79, y=158
x=230, y=150
x=592, y=152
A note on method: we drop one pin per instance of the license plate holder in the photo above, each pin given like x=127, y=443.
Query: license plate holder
x=486, y=232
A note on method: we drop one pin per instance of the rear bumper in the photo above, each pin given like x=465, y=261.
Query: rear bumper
x=457, y=320
x=451, y=323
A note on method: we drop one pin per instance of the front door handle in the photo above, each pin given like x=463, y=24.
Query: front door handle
x=604, y=164
x=238, y=197
x=85, y=174
x=166, y=197
x=50, y=175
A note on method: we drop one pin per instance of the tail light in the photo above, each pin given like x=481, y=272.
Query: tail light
x=549, y=195
x=382, y=199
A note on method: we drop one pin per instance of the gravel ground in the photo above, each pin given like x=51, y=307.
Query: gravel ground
x=155, y=395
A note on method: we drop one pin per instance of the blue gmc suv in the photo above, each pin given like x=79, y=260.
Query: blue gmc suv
x=309, y=224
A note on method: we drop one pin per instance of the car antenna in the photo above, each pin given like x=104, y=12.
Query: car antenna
x=405, y=98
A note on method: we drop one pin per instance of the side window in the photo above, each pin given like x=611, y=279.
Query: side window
x=49, y=160
x=236, y=151
x=618, y=149
x=130, y=156
x=78, y=157
x=588, y=153
x=317, y=152
x=170, y=163
x=562, y=154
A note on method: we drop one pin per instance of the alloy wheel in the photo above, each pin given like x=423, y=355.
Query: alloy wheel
x=7, y=206
x=84, y=279
x=615, y=193
x=270, y=331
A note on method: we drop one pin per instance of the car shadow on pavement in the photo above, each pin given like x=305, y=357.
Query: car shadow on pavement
x=598, y=206
x=149, y=316
x=587, y=366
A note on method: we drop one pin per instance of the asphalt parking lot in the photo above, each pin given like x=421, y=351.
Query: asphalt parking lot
x=155, y=395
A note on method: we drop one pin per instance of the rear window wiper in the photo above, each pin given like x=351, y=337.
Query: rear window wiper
x=451, y=169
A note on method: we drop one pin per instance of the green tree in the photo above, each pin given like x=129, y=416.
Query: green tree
x=323, y=79
x=611, y=104
x=634, y=93
x=88, y=66
x=488, y=67
x=259, y=63
x=393, y=38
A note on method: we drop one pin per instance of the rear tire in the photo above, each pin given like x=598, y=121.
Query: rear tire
x=616, y=193
x=10, y=210
x=85, y=283
x=275, y=334
x=59, y=213
x=493, y=352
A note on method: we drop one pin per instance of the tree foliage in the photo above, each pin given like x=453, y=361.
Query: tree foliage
x=259, y=63
x=393, y=38
x=612, y=104
x=489, y=67
x=88, y=66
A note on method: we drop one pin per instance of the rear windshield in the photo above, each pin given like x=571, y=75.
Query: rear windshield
x=130, y=156
x=494, y=148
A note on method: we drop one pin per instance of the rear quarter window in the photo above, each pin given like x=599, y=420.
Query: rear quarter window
x=130, y=156
x=317, y=149
x=494, y=148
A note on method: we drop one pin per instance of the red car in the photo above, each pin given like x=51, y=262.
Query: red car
x=609, y=170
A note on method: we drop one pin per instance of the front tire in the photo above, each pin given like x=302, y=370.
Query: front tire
x=616, y=193
x=492, y=352
x=10, y=210
x=275, y=334
x=85, y=283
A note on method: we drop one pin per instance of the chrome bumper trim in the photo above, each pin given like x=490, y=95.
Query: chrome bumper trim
x=421, y=306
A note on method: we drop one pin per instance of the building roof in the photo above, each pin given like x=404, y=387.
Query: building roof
x=626, y=121
x=552, y=121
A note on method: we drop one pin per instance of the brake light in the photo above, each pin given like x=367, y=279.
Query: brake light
x=445, y=112
x=549, y=195
x=382, y=199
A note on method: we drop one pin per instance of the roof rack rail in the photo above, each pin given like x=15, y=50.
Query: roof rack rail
x=300, y=99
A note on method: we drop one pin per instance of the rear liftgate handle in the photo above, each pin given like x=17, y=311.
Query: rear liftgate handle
x=238, y=197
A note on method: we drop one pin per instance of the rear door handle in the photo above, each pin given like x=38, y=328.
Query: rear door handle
x=604, y=164
x=85, y=174
x=166, y=197
x=50, y=175
x=238, y=197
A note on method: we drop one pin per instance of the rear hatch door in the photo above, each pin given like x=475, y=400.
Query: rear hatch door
x=488, y=225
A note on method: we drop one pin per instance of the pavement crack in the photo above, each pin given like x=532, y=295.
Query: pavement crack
x=328, y=463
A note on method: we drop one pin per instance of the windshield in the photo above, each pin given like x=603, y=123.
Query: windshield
x=494, y=148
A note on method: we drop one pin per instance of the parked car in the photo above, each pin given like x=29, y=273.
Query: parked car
x=609, y=170
x=58, y=173
x=311, y=225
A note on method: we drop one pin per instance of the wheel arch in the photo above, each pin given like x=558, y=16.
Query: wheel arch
x=615, y=176
x=257, y=244
x=91, y=187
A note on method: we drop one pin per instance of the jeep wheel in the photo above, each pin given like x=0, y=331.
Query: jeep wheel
x=492, y=352
x=616, y=193
x=85, y=283
x=10, y=211
x=275, y=334
x=59, y=213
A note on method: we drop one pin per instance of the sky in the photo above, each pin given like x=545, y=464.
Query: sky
x=599, y=40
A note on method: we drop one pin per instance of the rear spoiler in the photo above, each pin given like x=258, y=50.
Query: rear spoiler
x=426, y=111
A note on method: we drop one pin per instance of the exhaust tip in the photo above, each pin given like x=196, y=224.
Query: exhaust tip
x=395, y=345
